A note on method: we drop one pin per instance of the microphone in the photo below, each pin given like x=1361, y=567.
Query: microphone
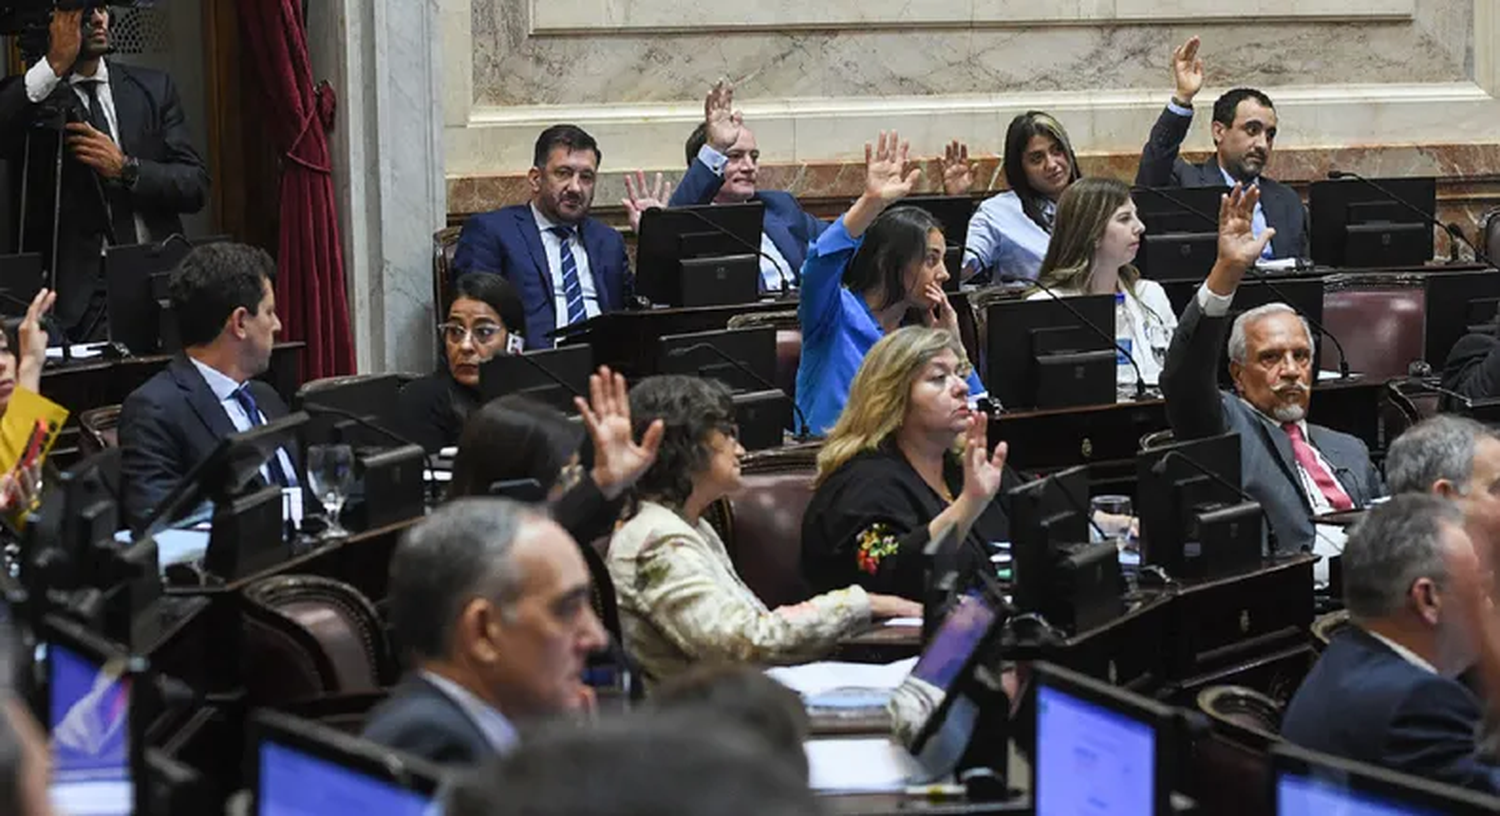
x=1266, y=281
x=803, y=429
x=1140, y=379
x=1159, y=469
x=786, y=281
x=1455, y=234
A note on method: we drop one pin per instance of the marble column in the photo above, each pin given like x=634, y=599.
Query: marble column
x=382, y=57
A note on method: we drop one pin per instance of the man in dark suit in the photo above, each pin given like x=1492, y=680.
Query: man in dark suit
x=566, y=266
x=723, y=162
x=1244, y=130
x=1383, y=691
x=130, y=171
x=1296, y=470
x=225, y=304
x=490, y=604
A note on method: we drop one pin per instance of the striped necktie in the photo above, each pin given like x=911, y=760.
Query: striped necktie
x=572, y=288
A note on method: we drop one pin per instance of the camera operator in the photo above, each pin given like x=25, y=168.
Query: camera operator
x=128, y=173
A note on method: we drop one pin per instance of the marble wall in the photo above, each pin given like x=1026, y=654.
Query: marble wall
x=1377, y=86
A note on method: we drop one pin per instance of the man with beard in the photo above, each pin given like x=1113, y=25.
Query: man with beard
x=1296, y=470
x=130, y=171
x=1244, y=130
x=566, y=266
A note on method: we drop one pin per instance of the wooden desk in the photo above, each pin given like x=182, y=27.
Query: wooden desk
x=880, y=644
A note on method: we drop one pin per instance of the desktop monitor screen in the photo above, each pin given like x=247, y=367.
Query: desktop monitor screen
x=667, y=237
x=1457, y=303
x=1306, y=783
x=88, y=718
x=702, y=354
x=1182, y=231
x=303, y=769
x=1041, y=354
x=1354, y=224
x=946, y=662
x=1099, y=749
x=551, y=376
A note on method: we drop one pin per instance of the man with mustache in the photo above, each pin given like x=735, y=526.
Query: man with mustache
x=566, y=266
x=1244, y=131
x=1296, y=470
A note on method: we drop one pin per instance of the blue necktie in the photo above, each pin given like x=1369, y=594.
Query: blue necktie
x=246, y=400
x=572, y=288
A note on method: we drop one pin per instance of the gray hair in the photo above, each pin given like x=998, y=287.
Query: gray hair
x=1237, y=331
x=460, y=552
x=1396, y=544
x=1440, y=447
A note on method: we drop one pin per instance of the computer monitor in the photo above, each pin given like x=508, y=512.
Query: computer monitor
x=1182, y=231
x=947, y=664
x=1193, y=525
x=20, y=280
x=954, y=213
x=134, y=316
x=1100, y=748
x=1058, y=573
x=1457, y=303
x=1042, y=356
x=1356, y=225
x=701, y=256
x=302, y=767
x=93, y=719
x=1307, y=783
x=702, y=354
x=551, y=376
x=1305, y=295
x=372, y=398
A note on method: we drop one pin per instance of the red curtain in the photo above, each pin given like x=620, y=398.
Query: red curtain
x=310, y=294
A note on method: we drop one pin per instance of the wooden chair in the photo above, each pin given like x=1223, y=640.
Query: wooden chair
x=444, y=244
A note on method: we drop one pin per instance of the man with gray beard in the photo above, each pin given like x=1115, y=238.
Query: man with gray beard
x=1296, y=470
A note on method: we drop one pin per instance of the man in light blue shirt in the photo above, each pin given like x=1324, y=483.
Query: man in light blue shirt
x=490, y=602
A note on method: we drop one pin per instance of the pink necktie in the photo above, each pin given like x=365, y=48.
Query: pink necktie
x=1329, y=486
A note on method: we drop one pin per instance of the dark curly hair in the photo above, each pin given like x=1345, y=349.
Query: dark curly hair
x=692, y=408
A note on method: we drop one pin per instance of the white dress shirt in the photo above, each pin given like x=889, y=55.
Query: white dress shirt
x=497, y=730
x=41, y=81
x=553, y=246
x=224, y=388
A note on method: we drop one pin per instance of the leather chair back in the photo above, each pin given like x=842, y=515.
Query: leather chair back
x=100, y=429
x=308, y=637
x=1381, y=320
x=444, y=244
x=1239, y=710
x=788, y=343
x=762, y=525
x=1489, y=233
x=1324, y=627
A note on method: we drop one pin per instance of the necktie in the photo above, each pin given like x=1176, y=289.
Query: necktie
x=572, y=288
x=121, y=215
x=96, y=110
x=246, y=400
x=1337, y=498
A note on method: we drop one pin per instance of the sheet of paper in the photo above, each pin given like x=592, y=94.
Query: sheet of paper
x=903, y=622
x=437, y=475
x=858, y=765
x=85, y=351
x=811, y=679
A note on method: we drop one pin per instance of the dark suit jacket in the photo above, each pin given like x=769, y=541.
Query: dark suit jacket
x=421, y=720
x=507, y=243
x=1162, y=167
x=1473, y=367
x=785, y=223
x=153, y=129
x=169, y=425
x=1196, y=408
x=1364, y=702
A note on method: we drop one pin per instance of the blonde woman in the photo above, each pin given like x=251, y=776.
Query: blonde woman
x=906, y=459
x=1095, y=239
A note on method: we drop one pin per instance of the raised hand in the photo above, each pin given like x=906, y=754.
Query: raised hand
x=31, y=355
x=618, y=460
x=722, y=122
x=886, y=178
x=64, y=40
x=1239, y=248
x=639, y=198
x=982, y=472
x=1187, y=70
x=958, y=174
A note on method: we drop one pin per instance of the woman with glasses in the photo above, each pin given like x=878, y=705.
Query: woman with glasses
x=681, y=601
x=486, y=319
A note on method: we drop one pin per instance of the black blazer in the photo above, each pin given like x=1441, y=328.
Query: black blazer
x=421, y=720
x=1161, y=166
x=173, y=179
x=1473, y=367
x=431, y=411
x=169, y=425
x=1364, y=702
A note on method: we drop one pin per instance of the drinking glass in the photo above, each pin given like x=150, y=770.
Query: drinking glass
x=330, y=473
x=1114, y=516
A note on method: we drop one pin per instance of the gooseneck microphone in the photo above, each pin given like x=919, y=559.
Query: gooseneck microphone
x=1159, y=469
x=1344, y=373
x=1455, y=233
x=1140, y=380
x=803, y=429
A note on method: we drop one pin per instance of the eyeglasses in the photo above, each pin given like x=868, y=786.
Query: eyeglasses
x=483, y=333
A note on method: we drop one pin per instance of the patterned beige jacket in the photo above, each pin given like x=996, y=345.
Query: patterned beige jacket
x=681, y=602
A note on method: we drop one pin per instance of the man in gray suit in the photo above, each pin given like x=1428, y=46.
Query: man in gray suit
x=1296, y=470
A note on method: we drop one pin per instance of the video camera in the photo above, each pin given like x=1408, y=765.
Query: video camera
x=28, y=20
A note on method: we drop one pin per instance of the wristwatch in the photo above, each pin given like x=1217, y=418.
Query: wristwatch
x=130, y=172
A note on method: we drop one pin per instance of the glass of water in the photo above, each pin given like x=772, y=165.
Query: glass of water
x=1114, y=517
x=330, y=474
